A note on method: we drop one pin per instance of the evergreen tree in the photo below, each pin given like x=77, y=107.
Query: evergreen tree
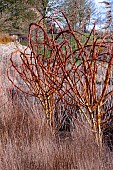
x=16, y=15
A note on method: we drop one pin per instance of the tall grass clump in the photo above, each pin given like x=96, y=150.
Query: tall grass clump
x=26, y=142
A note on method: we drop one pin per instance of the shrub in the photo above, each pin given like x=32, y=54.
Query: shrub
x=5, y=38
x=52, y=73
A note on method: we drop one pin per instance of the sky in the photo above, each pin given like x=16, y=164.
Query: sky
x=96, y=1
x=100, y=8
x=101, y=13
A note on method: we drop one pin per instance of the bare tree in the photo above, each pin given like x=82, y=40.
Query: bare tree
x=79, y=13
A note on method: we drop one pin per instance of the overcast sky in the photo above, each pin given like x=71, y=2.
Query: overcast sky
x=98, y=1
x=98, y=4
x=101, y=13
